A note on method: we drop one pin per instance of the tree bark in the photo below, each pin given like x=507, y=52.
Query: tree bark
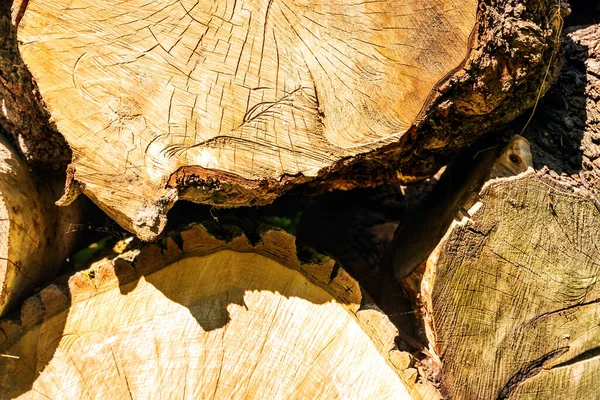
x=421, y=231
x=507, y=299
x=564, y=133
x=204, y=317
x=234, y=104
x=23, y=116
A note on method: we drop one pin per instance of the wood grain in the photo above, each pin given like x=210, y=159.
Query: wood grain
x=261, y=90
x=509, y=297
x=212, y=319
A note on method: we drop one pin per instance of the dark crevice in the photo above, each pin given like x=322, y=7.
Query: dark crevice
x=586, y=355
x=334, y=272
x=583, y=12
x=571, y=307
x=228, y=231
x=5, y=8
x=421, y=231
x=528, y=371
x=306, y=255
x=480, y=233
x=176, y=237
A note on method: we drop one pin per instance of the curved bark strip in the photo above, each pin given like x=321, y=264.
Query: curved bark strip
x=33, y=244
x=509, y=297
x=233, y=102
x=209, y=319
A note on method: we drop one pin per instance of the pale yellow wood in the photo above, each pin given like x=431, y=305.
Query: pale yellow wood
x=33, y=231
x=514, y=159
x=509, y=297
x=250, y=323
x=383, y=334
x=258, y=89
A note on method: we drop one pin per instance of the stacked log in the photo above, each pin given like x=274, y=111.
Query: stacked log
x=207, y=318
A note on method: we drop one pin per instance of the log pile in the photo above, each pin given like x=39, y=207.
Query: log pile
x=435, y=166
x=33, y=232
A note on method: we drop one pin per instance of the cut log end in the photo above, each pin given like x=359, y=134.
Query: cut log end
x=208, y=319
x=287, y=94
x=233, y=104
x=508, y=298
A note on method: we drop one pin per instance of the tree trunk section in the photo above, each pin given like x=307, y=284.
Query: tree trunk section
x=23, y=116
x=234, y=103
x=421, y=231
x=508, y=298
x=207, y=318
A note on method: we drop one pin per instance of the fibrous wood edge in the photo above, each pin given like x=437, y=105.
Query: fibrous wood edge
x=141, y=173
x=509, y=300
x=59, y=324
x=33, y=240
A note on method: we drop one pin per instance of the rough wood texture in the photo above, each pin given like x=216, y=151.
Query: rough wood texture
x=208, y=319
x=33, y=244
x=231, y=103
x=565, y=131
x=509, y=298
x=23, y=117
x=421, y=231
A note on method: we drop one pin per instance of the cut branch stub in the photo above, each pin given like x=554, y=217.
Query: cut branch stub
x=509, y=297
x=209, y=319
x=239, y=99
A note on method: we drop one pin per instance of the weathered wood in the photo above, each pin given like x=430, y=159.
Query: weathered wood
x=233, y=103
x=207, y=318
x=33, y=240
x=421, y=231
x=509, y=299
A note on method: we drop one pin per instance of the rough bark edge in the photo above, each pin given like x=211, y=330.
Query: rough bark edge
x=483, y=94
x=23, y=115
x=523, y=41
x=565, y=130
x=197, y=240
x=35, y=237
